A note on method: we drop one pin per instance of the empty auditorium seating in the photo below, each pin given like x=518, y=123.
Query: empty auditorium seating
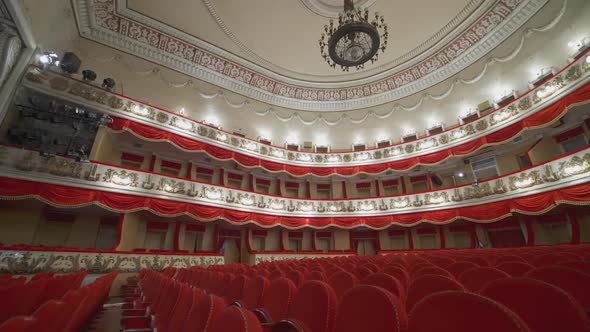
x=442, y=290
x=454, y=311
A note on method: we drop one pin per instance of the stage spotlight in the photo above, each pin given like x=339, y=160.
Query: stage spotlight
x=49, y=58
x=108, y=83
x=70, y=63
x=88, y=75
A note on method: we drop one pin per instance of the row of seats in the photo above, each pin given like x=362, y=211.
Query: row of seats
x=70, y=313
x=517, y=289
x=23, y=298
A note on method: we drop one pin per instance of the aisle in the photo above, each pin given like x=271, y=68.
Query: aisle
x=110, y=319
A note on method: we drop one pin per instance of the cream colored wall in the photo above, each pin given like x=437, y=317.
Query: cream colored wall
x=341, y=239
x=182, y=235
x=272, y=240
x=545, y=150
x=132, y=232
x=507, y=163
x=208, y=237
x=169, y=239
x=307, y=238
x=18, y=225
x=584, y=222
x=84, y=231
x=103, y=149
x=337, y=189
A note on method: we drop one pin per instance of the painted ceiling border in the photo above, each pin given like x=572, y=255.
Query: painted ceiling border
x=251, y=84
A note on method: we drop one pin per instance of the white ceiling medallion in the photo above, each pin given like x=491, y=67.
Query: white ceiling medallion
x=331, y=9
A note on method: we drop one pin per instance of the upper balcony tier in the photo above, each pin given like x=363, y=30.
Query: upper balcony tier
x=539, y=107
x=65, y=182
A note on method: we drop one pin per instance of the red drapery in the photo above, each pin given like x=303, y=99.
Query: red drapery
x=539, y=119
x=72, y=197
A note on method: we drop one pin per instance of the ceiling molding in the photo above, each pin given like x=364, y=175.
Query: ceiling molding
x=326, y=10
x=101, y=22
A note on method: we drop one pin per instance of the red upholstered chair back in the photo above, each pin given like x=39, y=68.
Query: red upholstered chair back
x=370, y=308
x=361, y=272
x=553, y=259
x=508, y=258
x=236, y=319
x=476, y=278
x=296, y=276
x=341, y=282
x=543, y=307
x=194, y=315
x=429, y=284
x=181, y=309
x=53, y=315
x=477, y=260
x=515, y=269
x=572, y=281
x=316, y=275
x=388, y=283
x=236, y=287
x=372, y=267
x=577, y=265
x=278, y=298
x=454, y=311
x=254, y=291
x=459, y=267
x=19, y=324
x=398, y=273
x=314, y=306
x=431, y=270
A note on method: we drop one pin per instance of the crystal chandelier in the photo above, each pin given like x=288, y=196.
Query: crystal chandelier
x=355, y=40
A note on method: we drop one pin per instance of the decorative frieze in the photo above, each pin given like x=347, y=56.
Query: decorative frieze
x=29, y=165
x=272, y=257
x=119, y=106
x=37, y=261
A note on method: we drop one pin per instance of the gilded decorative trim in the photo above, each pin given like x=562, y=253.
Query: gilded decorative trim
x=71, y=90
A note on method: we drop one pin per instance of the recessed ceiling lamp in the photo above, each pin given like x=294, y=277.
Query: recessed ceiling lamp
x=355, y=40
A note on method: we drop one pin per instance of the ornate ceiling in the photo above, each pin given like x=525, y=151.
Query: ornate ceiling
x=274, y=57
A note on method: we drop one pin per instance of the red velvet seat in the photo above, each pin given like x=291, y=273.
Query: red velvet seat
x=235, y=288
x=476, y=278
x=508, y=259
x=454, y=311
x=427, y=285
x=373, y=267
x=370, y=308
x=277, y=300
x=361, y=272
x=314, y=307
x=19, y=324
x=553, y=259
x=254, y=291
x=572, y=281
x=297, y=277
x=477, y=260
x=203, y=313
x=577, y=265
x=543, y=307
x=316, y=275
x=236, y=319
x=459, y=267
x=515, y=269
x=341, y=282
x=431, y=270
x=398, y=273
x=388, y=283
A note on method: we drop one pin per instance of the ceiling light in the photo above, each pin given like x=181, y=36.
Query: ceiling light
x=88, y=75
x=181, y=111
x=461, y=174
x=49, y=58
x=108, y=83
x=355, y=40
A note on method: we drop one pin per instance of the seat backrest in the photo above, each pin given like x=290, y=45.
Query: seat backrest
x=459, y=267
x=388, y=283
x=315, y=275
x=577, y=265
x=341, y=282
x=181, y=309
x=296, y=277
x=476, y=278
x=515, y=269
x=236, y=288
x=314, y=306
x=370, y=308
x=552, y=259
x=453, y=311
x=53, y=315
x=572, y=281
x=19, y=324
x=398, y=273
x=278, y=298
x=236, y=320
x=429, y=284
x=543, y=307
x=508, y=258
x=254, y=290
x=431, y=270
x=361, y=272
x=192, y=317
